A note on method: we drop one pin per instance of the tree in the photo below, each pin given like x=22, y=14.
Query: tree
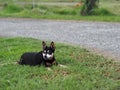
x=88, y=6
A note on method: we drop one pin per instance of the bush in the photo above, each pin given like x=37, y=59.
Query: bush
x=12, y=8
x=66, y=11
x=101, y=11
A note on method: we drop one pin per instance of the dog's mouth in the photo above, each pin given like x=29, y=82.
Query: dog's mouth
x=47, y=56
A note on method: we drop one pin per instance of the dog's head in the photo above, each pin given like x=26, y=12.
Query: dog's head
x=48, y=51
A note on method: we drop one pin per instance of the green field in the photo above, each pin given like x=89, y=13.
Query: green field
x=41, y=0
x=109, y=11
x=112, y=5
x=85, y=70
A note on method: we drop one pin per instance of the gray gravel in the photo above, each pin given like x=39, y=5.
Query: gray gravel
x=102, y=37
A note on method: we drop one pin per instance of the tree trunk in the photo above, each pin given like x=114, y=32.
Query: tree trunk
x=88, y=6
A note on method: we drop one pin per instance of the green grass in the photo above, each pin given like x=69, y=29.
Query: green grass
x=41, y=0
x=109, y=11
x=111, y=5
x=56, y=12
x=86, y=71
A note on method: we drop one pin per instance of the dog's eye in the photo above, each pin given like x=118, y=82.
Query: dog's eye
x=50, y=53
x=44, y=51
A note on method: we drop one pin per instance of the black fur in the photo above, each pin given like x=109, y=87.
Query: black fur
x=31, y=58
x=37, y=58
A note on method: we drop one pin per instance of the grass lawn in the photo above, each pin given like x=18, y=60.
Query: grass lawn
x=111, y=5
x=85, y=71
x=42, y=0
x=109, y=11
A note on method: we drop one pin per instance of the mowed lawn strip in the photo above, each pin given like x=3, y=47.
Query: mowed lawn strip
x=85, y=70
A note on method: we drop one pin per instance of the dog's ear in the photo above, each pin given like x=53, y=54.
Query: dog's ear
x=52, y=45
x=43, y=44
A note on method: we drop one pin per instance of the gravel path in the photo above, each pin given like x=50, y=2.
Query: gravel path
x=102, y=37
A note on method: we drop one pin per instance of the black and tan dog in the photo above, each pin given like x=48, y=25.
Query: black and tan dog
x=45, y=57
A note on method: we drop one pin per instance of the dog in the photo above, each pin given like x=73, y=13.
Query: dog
x=45, y=57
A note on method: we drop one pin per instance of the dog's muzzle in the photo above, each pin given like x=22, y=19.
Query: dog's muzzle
x=47, y=56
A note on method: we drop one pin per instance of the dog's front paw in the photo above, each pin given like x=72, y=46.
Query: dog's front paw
x=62, y=66
x=49, y=69
x=54, y=63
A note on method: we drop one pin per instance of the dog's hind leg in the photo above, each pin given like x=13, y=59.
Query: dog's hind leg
x=21, y=61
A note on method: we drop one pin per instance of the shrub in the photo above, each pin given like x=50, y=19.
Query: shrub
x=66, y=11
x=12, y=8
x=101, y=11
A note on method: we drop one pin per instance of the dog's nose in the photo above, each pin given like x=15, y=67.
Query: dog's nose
x=45, y=56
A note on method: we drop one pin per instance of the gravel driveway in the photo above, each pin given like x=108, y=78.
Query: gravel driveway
x=101, y=37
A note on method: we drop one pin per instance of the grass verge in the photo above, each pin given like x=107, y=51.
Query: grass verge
x=56, y=12
x=86, y=71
